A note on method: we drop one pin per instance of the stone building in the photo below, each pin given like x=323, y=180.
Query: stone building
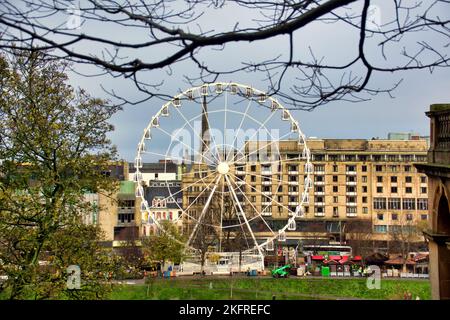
x=365, y=191
x=116, y=212
x=437, y=169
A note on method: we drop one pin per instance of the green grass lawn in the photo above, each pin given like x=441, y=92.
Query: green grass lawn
x=265, y=288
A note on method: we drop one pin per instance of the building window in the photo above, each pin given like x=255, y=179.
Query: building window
x=333, y=157
x=125, y=217
x=424, y=216
x=319, y=157
x=394, y=179
x=351, y=199
x=292, y=178
x=409, y=216
x=364, y=168
x=394, y=216
x=408, y=190
x=378, y=168
x=253, y=168
x=407, y=168
x=380, y=216
x=422, y=204
x=409, y=204
x=379, y=189
x=423, y=179
x=319, y=168
x=392, y=157
x=394, y=203
x=364, y=199
x=319, y=178
x=379, y=179
x=377, y=157
x=364, y=189
x=335, y=199
x=408, y=179
x=365, y=210
x=423, y=190
x=351, y=209
x=380, y=228
x=350, y=157
x=335, y=178
x=253, y=178
x=126, y=203
x=351, y=189
x=394, y=190
x=350, y=168
x=393, y=168
x=335, y=211
x=364, y=178
x=379, y=203
x=335, y=168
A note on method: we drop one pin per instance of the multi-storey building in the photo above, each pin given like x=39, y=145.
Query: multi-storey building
x=363, y=190
x=165, y=203
x=116, y=212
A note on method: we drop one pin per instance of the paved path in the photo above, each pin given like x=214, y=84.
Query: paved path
x=181, y=278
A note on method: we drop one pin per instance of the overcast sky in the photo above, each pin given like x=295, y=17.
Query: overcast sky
x=375, y=118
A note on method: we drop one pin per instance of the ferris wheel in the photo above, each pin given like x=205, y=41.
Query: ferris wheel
x=227, y=140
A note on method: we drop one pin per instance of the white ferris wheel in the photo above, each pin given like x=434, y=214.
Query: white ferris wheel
x=226, y=139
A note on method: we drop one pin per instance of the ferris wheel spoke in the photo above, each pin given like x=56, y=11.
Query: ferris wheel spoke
x=264, y=146
x=205, y=208
x=240, y=224
x=183, y=189
x=184, y=211
x=184, y=144
x=256, y=132
x=221, y=216
x=196, y=133
x=258, y=214
x=239, y=129
x=243, y=214
x=225, y=125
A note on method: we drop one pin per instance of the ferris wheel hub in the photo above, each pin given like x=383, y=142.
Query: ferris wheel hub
x=223, y=168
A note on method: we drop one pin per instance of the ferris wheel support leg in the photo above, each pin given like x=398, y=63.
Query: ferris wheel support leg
x=205, y=208
x=243, y=215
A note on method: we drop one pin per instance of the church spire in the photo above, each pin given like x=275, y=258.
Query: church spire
x=205, y=143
